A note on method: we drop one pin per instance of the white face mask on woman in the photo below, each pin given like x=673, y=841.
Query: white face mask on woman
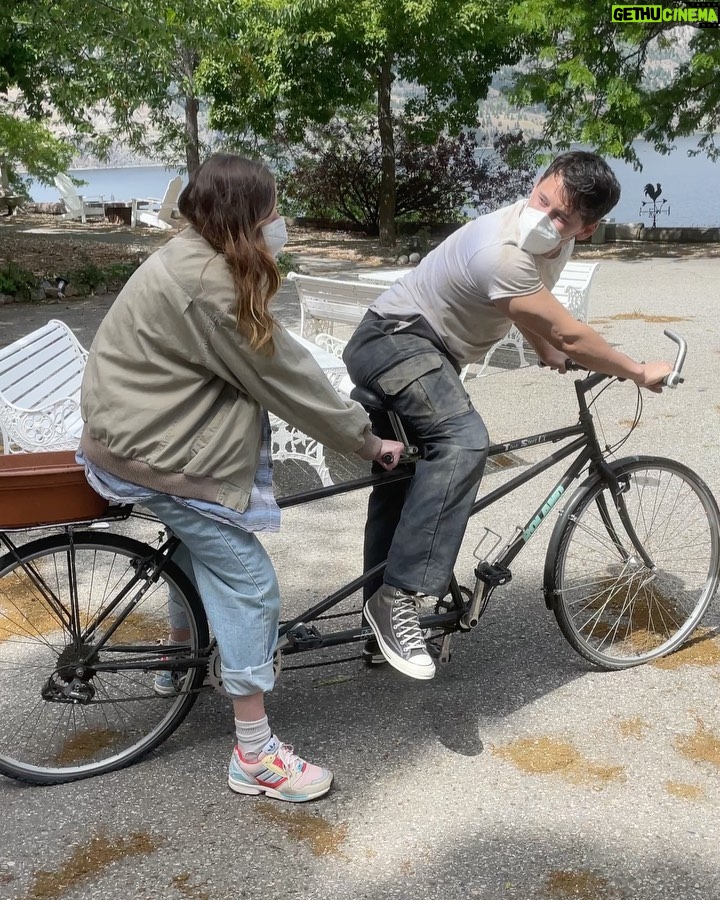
x=537, y=232
x=275, y=235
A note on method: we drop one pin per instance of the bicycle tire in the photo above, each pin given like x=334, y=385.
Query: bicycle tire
x=47, y=740
x=614, y=610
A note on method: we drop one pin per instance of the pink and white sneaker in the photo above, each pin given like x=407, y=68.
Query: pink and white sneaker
x=278, y=772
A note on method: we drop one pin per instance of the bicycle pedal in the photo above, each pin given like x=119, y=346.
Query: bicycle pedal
x=493, y=574
x=440, y=652
x=305, y=637
x=445, y=652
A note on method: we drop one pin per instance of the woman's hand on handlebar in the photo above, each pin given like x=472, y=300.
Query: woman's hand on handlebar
x=389, y=454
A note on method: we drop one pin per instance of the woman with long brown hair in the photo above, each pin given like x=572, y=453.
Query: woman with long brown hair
x=175, y=396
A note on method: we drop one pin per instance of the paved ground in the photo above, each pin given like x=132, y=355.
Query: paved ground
x=613, y=795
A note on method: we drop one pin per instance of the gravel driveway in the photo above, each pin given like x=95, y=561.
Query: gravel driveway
x=518, y=772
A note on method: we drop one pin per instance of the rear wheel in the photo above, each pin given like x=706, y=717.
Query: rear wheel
x=616, y=608
x=67, y=709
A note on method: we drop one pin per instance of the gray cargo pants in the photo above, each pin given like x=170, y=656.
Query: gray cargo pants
x=418, y=525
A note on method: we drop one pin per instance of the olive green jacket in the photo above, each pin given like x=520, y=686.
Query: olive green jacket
x=172, y=393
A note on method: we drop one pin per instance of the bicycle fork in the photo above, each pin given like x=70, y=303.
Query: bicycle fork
x=618, y=487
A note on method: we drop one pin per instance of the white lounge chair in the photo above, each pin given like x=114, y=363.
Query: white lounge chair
x=76, y=205
x=158, y=213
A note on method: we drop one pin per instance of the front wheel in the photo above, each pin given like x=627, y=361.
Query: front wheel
x=616, y=608
x=83, y=690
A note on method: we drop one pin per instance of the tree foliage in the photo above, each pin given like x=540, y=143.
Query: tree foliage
x=323, y=57
x=28, y=144
x=591, y=75
x=24, y=143
x=134, y=64
x=150, y=66
x=336, y=174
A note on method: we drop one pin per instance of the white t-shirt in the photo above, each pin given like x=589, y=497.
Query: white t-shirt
x=455, y=286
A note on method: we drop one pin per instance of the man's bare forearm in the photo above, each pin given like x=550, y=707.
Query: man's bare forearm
x=543, y=320
x=585, y=346
x=538, y=343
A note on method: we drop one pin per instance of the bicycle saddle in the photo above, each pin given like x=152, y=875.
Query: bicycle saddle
x=369, y=399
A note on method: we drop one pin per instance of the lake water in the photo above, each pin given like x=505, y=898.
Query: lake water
x=690, y=184
x=112, y=184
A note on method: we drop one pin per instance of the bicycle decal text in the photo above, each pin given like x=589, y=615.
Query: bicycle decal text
x=523, y=442
x=545, y=509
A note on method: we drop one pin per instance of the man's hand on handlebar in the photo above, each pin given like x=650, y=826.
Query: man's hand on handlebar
x=388, y=455
x=554, y=359
x=653, y=375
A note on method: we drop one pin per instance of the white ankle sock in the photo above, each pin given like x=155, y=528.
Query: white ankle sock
x=252, y=736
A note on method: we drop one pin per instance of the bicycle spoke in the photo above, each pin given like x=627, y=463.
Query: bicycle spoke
x=63, y=714
x=619, y=613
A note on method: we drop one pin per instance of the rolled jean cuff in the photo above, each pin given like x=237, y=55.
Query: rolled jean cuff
x=245, y=682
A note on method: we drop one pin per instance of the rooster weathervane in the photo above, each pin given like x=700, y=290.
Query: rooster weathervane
x=651, y=207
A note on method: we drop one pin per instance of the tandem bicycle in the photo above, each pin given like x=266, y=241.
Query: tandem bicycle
x=632, y=565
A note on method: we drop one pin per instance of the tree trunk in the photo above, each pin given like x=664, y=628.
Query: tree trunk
x=387, y=149
x=189, y=62
x=4, y=180
x=192, y=146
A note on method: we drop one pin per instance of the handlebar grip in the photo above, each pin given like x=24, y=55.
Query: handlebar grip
x=570, y=365
x=410, y=454
x=674, y=378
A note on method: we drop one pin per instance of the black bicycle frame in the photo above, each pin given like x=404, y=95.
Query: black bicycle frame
x=294, y=635
x=585, y=445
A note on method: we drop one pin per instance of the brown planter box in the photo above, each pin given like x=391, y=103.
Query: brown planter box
x=45, y=489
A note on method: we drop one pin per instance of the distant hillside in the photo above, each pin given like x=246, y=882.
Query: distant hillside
x=496, y=113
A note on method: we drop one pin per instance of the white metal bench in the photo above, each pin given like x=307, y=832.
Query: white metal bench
x=572, y=290
x=325, y=302
x=40, y=377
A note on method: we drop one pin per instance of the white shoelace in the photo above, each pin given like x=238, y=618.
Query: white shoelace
x=406, y=625
x=292, y=761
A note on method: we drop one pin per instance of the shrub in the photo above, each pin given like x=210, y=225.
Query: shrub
x=119, y=271
x=14, y=279
x=89, y=274
x=337, y=170
x=286, y=263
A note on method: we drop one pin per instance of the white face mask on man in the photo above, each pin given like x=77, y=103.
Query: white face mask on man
x=275, y=235
x=537, y=232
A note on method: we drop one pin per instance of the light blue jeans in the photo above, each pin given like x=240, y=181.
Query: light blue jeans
x=238, y=588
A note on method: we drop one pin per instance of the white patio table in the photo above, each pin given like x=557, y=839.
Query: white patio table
x=329, y=363
x=384, y=276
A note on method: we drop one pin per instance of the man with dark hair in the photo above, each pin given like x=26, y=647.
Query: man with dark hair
x=462, y=298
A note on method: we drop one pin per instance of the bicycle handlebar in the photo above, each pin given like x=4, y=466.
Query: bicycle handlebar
x=672, y=380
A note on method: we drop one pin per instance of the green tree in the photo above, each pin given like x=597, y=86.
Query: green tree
x=320, y=58
x=28, y=144
x=593, y=76
x=24, y=143
x=134, y=63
